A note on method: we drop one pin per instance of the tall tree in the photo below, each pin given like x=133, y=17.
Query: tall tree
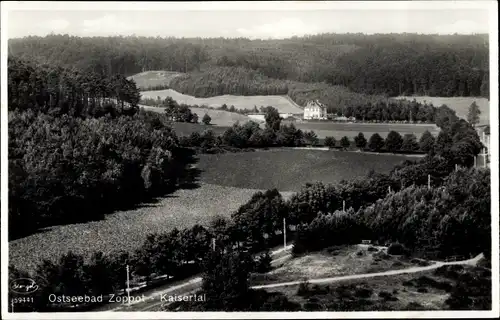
x=473, y=114
x=330, y=142
x=409, y=143
x=376, y=142
x=225, y=280
x=206, y=119
x=394, y=141
x=345, y=142
x=427, y=141
x=272, y=117
x=360, y=140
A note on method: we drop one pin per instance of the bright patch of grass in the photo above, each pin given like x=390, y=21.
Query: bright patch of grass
x=150, y=79
x=282, y=104
x=126, y=230
x=289, y=170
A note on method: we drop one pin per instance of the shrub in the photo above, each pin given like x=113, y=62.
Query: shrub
x=414, y=306
x=317, y=289
x=344, y=142
x=396, y=249
x=263, y=264
x=363, y=292
x=394, y=141
x=330, y=142
x=387, y=296
x=303, y=288
x=376, y=142
x=206, y=119
x=312, y=306
x=397, y=264
x=360, y=140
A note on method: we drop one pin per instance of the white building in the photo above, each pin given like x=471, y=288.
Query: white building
x=314, y=110
x=257, y=116
x=262, y=116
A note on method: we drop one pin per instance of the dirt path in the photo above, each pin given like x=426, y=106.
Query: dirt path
x=153, y=299
x=372, y=275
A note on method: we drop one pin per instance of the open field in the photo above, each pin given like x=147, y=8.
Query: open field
x=427, y=290
x=333, y=262
x=126, y=230
x=289, y=170
x=219, y=117
x=148, y=79
x=338, y=130
x=459, y=104
x=282, y=104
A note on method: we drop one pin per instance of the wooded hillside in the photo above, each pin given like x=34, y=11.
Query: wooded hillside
x=389, y=64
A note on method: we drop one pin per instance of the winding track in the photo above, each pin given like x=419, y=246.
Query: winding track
x=153, y=300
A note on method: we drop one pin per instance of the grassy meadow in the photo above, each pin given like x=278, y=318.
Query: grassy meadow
x=126, y=230
x=219, y=118
x=281, y=103
x=289, y=170
x=148, y=79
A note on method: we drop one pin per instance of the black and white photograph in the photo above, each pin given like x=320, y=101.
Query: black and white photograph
x=273, y=160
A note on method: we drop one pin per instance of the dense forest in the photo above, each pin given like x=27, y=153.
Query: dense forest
x=387, y=64
x=79, y=147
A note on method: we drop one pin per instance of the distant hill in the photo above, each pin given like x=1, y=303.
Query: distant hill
x=385, y=64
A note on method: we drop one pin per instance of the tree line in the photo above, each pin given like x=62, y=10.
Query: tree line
x=57, y=91
x=435, y=221
x=110, y=55
x=389, y=64
x=457, y=140
x=77, y=152
x=403, y=68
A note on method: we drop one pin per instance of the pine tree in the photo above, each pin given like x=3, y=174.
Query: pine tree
x=427, y=142
x=376, y=142
x=360, y=140
x=394, y=141
x=206, y=119
x=473, y=115
x=344, y=142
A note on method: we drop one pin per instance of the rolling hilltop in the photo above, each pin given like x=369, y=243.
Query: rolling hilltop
x=385, y=64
